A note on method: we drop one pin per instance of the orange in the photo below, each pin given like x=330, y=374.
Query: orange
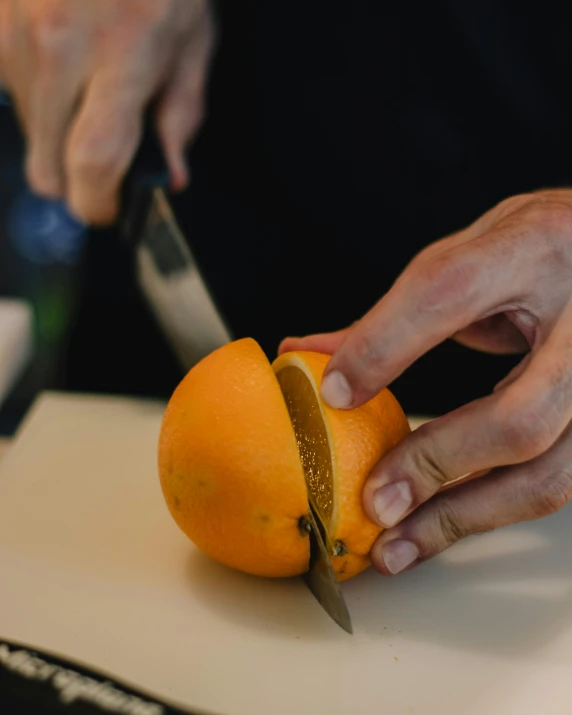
x=245, y=446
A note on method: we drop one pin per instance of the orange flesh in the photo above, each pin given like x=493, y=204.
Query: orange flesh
x=311, y=437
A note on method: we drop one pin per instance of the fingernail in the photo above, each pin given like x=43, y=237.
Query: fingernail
x=336, y=391
x=399, y=554
x=391, y=502
x=282, y=347
x=180, y=177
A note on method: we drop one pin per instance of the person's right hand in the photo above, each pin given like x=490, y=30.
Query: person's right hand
x=81, y=74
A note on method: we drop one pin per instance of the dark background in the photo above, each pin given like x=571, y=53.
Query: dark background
x=341, y=139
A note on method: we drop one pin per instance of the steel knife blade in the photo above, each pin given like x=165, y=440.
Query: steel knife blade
x=321, y=579
x=172, y=283
x=167, y=272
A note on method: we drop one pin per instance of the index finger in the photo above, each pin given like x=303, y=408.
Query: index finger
x=105, y=136
x=513, y=425
x=100, y=148
x=432, y=300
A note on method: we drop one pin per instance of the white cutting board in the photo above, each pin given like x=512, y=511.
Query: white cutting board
x=16, y=342
x=92, y=567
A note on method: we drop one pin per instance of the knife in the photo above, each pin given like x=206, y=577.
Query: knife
x=166, y=269
x=172, y=283
x=179, y=297
x=321, y=578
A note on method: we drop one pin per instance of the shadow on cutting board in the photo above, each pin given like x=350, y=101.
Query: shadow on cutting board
x=280, y=606
x=505, y=593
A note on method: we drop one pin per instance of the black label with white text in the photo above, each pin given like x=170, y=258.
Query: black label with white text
x=36, y=683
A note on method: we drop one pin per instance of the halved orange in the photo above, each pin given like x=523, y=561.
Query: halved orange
x=245, y=446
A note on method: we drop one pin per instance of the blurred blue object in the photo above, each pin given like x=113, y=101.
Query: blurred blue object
x=43, y=231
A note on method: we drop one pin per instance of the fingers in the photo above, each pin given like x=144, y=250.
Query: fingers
x=101, y=146
x=326, y=343
x=104, y=137
x=47, y=132
x=504, y=496
x=431, y=301
x=179, y=117
x=182, y=106
x=50, y=110
x=6, y=22
x=82, y=74
x=43, y=49
x=511, y=426
x=15, y=62
x=515, y=373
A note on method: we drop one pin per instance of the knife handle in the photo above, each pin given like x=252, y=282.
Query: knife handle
x=148, y=171
x=149, y=168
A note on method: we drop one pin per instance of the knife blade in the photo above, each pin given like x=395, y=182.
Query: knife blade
x=166, y=269
x=321, y=579
x=179, y=297
x=175, y=289
x=167, y=272
x=173, y=285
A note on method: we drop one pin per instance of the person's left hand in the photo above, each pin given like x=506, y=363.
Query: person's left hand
x=502, y=285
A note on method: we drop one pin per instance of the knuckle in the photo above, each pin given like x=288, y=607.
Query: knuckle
x=102, y=146
x=49, y=26
x=525, y=431
x=450, y=525
x=149, y=13
x=550, y=215
x=512, y=203
x=447, y=281
x=368, y=348
x=551, y=493
x=508, y=207
x=427, y=458
x=365, y=359
x=559, y=388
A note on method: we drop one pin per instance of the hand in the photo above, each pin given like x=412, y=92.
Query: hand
x=81, y=73
x=502, y=285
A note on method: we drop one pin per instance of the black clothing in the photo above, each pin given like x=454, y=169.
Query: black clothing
x=342, y=137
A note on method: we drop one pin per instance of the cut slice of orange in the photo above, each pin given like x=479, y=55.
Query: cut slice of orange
x=338, y=449
x=246, y=445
